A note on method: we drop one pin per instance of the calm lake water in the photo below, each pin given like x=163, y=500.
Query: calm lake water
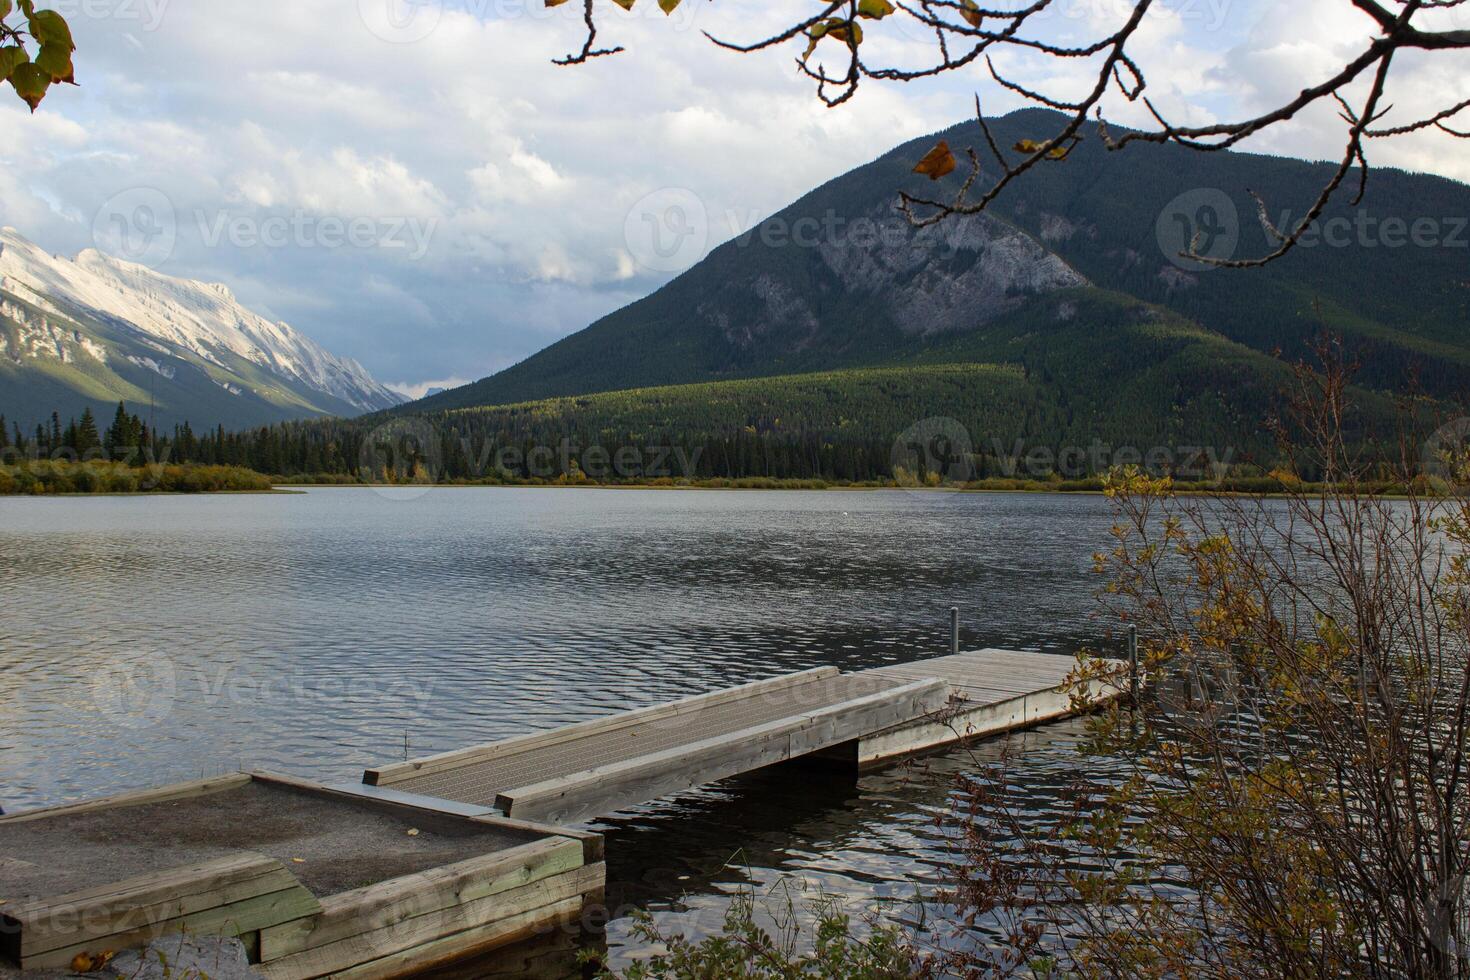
x=152, y=639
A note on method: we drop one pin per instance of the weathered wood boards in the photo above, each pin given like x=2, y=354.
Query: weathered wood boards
x=582, y=795
x=382, y=929
x=232, y=896
x=606, y=726
x=451, y=911
x=992, y=691
x=533, y=877
x=571, y=774
x=175, y=791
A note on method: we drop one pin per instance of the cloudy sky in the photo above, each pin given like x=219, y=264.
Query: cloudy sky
x=415, y=185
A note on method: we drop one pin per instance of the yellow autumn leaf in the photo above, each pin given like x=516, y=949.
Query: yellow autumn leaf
x=971, y=12
x=937, y=162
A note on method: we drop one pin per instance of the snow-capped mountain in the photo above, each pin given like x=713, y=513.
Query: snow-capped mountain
x=112, y=330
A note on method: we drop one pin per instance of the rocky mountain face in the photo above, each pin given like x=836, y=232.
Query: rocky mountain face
x=925, y=281
x=97, y=330
x=839, y=280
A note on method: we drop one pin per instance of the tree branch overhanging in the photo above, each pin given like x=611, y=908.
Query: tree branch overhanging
x=964, y=33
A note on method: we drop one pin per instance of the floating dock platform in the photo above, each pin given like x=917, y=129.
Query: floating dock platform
x=433, y=860
x=868, y=718
x=314, y=882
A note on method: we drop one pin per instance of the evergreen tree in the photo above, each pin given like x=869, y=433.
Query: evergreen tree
x=87, y=439
x=119, y=435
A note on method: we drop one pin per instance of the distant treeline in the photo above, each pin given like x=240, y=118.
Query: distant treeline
x=52, y=476
x=128, y=457
x=946, y=424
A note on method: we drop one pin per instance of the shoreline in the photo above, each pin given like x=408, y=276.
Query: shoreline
x=284, y=490
x=288, y=487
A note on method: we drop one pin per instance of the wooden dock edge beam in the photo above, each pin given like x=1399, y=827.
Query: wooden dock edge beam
x=576, y=797
x=962, y=724
x=398, y=771
x=432, y=908
x=438, y=915
x=160, y=794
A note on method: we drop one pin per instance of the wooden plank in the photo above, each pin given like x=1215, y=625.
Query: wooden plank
x=578, y=796
x=340, y=957
x=427, y=811
x=1015, y=682
x=973, y=671
x=975, y=721
x=982, y=669
x=234, y=919
x=388, y=903
x=593, y=846
x=443, y=952
x=143, y=900
x=393, y=798
x=971, y=697
x=176, y=791
x=385, y=775
x=451, y=807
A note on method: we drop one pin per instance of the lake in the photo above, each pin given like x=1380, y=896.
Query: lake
x=155, y=639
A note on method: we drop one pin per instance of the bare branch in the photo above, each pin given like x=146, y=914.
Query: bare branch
x=587, y=52
x=965, y=31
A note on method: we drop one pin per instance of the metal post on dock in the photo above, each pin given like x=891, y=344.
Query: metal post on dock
x=1133, y=661
x=954, y=629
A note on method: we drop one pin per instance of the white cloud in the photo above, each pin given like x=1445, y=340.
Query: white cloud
x=418, y=389
x=524, y=171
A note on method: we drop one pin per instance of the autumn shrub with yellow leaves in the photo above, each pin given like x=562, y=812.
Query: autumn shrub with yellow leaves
x=1290, y=796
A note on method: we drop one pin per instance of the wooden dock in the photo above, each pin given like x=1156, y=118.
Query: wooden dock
x=990, y=692
x=867, y=718
x=313, y=881
x=434, y=859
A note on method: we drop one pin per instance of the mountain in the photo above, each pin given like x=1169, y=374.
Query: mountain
x=95, y=330
x=861, y=289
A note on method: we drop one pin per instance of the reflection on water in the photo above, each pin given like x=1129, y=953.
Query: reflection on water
x=150, y=639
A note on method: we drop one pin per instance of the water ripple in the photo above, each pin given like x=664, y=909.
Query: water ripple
x=157, y=639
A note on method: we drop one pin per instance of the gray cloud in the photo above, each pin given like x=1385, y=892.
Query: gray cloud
x=431, y=196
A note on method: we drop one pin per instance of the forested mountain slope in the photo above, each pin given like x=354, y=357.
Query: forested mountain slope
x=1392, y=275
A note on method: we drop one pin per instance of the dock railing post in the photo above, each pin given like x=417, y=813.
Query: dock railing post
x=1133, y=661
x=954, y=629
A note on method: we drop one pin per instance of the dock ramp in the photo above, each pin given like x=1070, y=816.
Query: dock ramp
x=862, y=719
x=572, y=774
